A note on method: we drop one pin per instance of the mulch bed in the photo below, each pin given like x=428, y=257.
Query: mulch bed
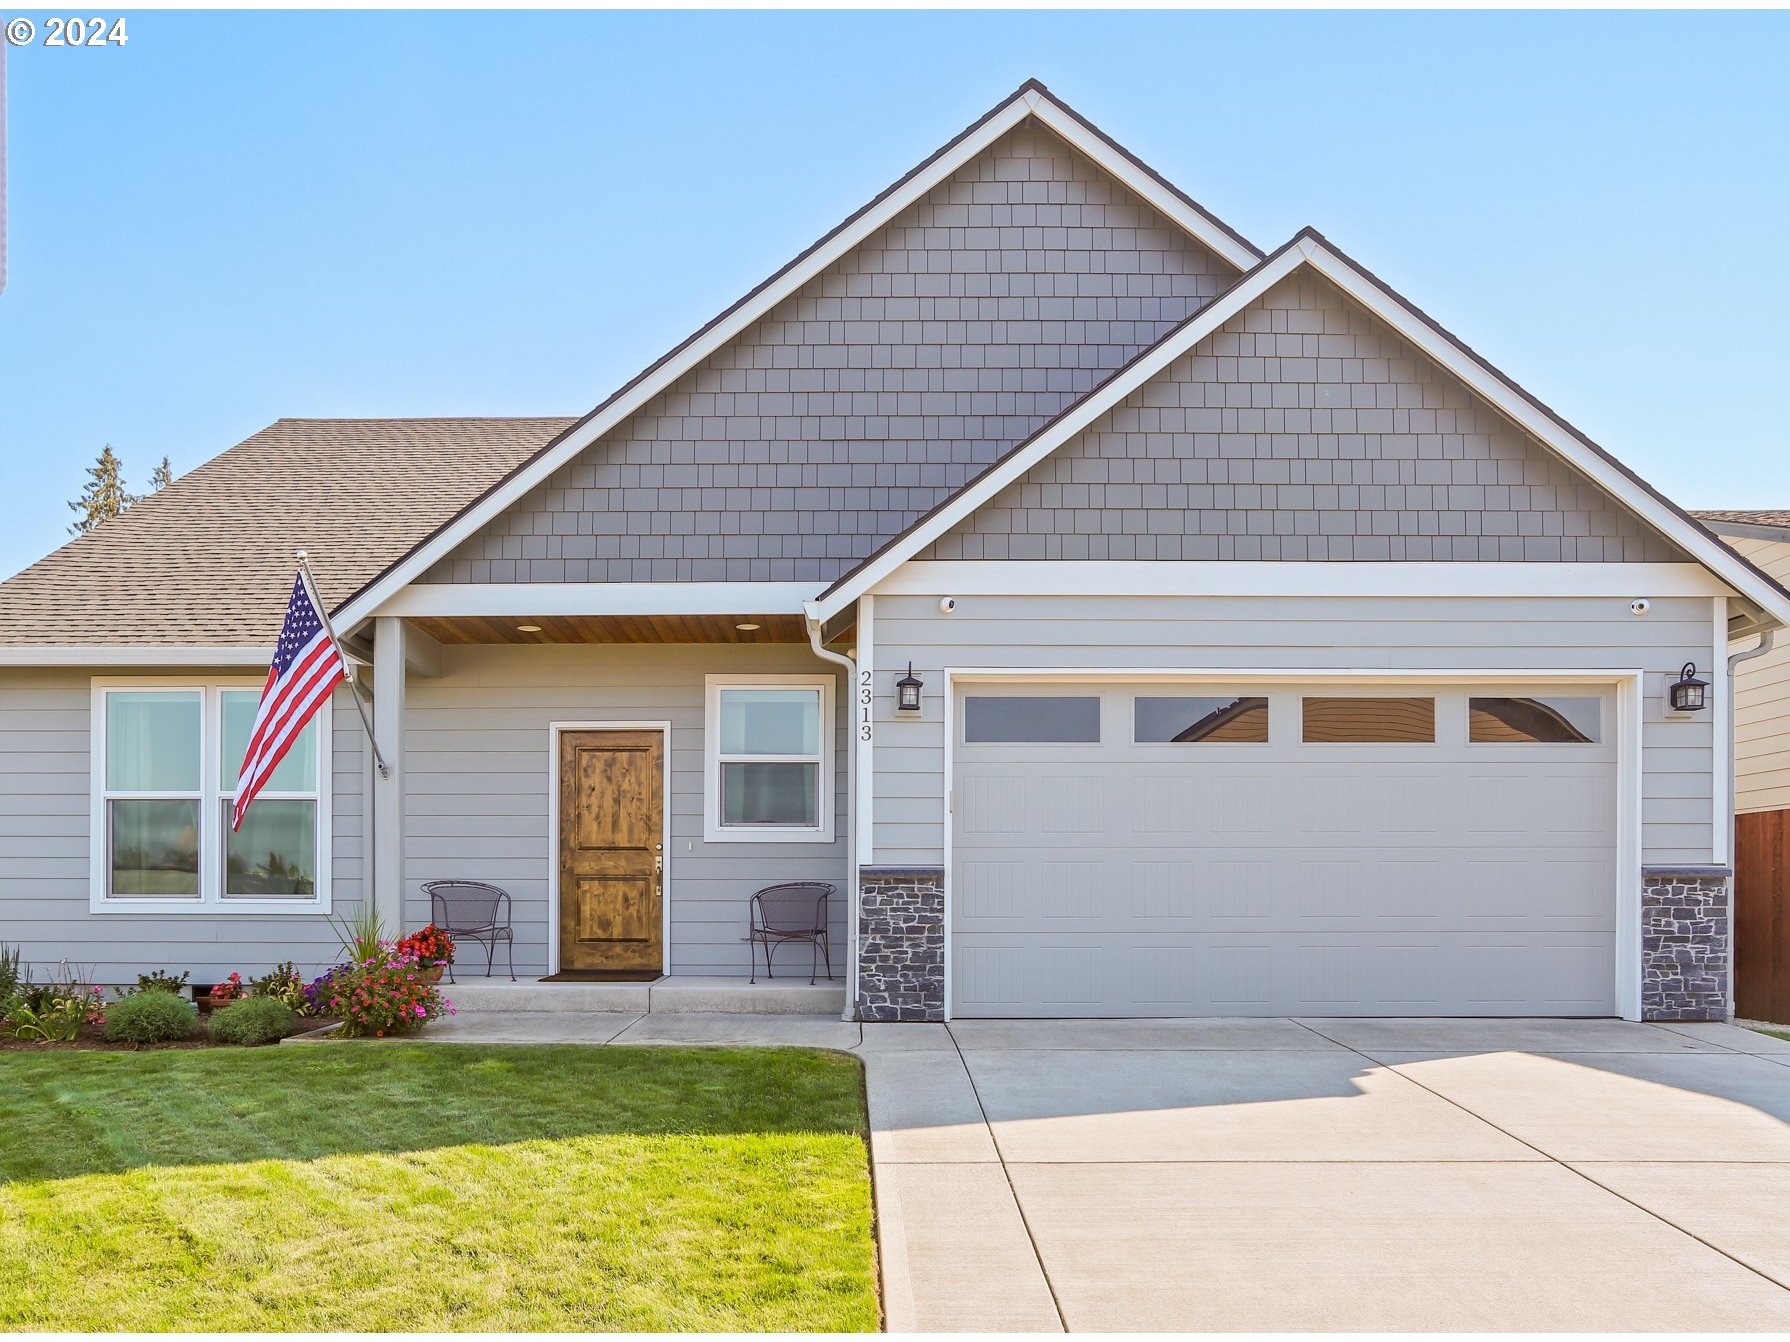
x=92, y=1039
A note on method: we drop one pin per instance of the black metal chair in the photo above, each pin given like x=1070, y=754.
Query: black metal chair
x=473, y=911
x=793, y=911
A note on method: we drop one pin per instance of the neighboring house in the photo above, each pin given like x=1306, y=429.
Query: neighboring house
x=1275, y=653
x=1761, y=780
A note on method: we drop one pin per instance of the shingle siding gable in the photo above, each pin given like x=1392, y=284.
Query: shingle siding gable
x=866, y=399
x=1304, y=429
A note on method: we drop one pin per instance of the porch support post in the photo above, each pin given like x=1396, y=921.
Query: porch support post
x=388, y=793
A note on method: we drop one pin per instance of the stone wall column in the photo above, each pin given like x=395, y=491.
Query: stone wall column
x=901, y=943
x=1685, y=954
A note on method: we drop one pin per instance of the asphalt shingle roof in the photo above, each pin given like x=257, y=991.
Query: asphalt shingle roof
x=1757, y=517
x=207, y=562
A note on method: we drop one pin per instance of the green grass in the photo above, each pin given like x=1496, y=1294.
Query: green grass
x=1775, y=1034
x=434, y=1187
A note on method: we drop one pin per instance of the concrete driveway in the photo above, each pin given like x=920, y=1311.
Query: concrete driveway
x=1329, y=1174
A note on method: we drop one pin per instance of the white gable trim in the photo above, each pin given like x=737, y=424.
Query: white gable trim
x=600, y=598
x=1031, y=100
x=1308, y=249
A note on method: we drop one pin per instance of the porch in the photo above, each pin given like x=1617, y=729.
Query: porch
x=672, y=994
x=575, y=760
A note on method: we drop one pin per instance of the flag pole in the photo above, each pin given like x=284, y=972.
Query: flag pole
x=310, y=582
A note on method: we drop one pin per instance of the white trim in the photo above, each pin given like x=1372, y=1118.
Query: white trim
x=1721, y=726
x=95, y=655
x=553, y=734
x=863, y=730
x=213, y=789
x=1308, y=250
x=600, y=598
x=1630, y=793
x=1628, y=684
x=826, y=780
x=1119, y=577
x=1031, y=101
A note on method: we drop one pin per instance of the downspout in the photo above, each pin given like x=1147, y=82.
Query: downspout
x=851, y=817
x=1764, y=646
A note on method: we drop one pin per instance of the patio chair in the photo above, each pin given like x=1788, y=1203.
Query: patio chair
x=473, y=911
x=793, y=911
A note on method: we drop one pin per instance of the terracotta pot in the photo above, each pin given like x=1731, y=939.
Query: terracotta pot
x=432, y=973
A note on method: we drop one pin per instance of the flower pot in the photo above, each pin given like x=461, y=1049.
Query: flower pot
x=431, y=973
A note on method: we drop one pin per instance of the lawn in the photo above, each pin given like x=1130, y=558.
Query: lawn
x=433, y=1187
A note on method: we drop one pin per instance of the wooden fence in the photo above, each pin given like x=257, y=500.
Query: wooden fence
x=1762, y=916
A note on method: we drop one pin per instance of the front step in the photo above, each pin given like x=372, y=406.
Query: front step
x=676, y=993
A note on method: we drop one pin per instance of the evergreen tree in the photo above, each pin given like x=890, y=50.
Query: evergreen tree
x=161, y=477
x=103, y=497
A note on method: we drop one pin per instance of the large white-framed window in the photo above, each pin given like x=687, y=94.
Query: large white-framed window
x=768, y=759
x=165, y=759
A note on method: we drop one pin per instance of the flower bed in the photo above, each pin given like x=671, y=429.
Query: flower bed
x=385, y=994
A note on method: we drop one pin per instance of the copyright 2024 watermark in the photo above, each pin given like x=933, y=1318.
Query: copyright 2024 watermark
x=57, y=31
x=54, y=31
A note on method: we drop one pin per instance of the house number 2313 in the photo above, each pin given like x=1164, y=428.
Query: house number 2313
x=866, y=698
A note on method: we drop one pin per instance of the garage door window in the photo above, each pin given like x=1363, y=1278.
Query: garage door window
x=1361, y=720
x=1030, y=718
x=1553, y=721
x=1186, y=721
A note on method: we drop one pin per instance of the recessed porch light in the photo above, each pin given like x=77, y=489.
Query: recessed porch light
x=745, y=628
x=528, y=629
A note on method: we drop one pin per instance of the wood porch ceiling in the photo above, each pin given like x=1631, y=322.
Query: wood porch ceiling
x=614, y=629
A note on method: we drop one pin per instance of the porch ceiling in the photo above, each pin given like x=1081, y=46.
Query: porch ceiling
x=613, y=629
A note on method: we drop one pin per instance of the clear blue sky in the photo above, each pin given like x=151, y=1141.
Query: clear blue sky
x=244, y=216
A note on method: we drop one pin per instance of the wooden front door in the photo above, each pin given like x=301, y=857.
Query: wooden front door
x=611, y=852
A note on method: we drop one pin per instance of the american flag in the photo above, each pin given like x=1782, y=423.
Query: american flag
x=307, y=665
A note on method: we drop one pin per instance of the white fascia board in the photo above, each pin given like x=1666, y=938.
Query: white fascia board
x=1296, y=578
x=1079, y=416
x=1071, y=129
x=1752, y=531
x=600, y=598
x=1031, y=102
x=76, y=655
x=1544, y=427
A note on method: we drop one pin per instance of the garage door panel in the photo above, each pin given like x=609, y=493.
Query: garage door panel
x=1248, y=879
x=1455, y=974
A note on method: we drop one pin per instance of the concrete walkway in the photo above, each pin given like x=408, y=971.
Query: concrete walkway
x=1256, y=1175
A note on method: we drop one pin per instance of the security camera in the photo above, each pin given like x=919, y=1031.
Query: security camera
x=947, y=604
x=1639, y=606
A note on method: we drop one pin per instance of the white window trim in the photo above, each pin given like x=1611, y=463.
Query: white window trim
x=713, y=831
x=213, y=789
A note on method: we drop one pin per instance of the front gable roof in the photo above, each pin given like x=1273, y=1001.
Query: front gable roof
x=1032, y=101
x=1310, y=249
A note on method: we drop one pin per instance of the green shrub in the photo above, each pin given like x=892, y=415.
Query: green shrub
x=282, y=984
x=10, y=977
x=152, y=1017
x=160, y=980
x=258, y=1020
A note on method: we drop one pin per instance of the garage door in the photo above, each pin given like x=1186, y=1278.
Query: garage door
x=1159, y=850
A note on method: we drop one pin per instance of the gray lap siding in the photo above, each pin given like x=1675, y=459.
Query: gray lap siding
x=478, y=786
x=45, y=826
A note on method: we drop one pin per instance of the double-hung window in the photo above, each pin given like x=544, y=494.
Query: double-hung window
x=165, y=760
x=768, y=759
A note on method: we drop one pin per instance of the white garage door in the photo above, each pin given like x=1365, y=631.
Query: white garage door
x=1161, y=850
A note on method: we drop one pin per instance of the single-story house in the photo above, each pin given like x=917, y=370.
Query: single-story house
x=1761, y=780
x=1127, y=620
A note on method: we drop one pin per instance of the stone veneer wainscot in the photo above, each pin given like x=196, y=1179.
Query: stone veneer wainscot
x=901, y=944
x=1685, y=957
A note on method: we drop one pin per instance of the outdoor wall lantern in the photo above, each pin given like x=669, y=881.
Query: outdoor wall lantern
x=1687, y=691
x=907, y=691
